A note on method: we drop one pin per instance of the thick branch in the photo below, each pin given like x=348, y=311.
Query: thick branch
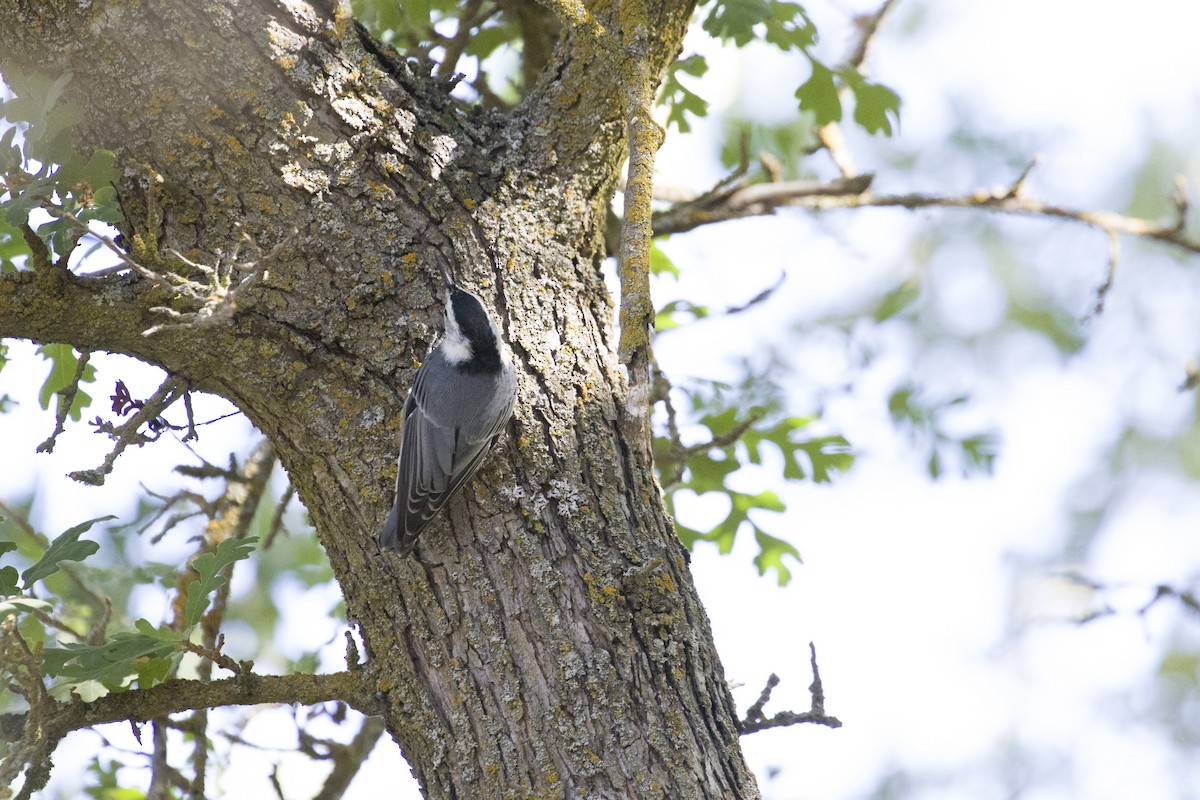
x=737, y=200
x=765, y=198
x=177, y=696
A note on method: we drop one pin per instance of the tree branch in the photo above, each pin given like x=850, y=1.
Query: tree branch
x=348, y=759
x=726, y=202
x=756, y=720
x=765, y=198
x=173, y=697
x=127, y=433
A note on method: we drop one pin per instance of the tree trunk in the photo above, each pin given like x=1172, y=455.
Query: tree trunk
x=546, y=638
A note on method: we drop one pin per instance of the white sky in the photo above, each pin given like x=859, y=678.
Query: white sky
x=921, y=598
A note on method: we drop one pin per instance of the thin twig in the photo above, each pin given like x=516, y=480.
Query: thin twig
x=726, y=202
x=868, y=26
x=128, y=262
x=348, y=759
x=756, y=720
x=66, y=398
x=830, y=135
x=127, y=433
x=457, y=45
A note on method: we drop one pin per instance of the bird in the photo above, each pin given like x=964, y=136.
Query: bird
x=461, y=399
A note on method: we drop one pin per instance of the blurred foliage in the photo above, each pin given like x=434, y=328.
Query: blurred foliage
x=100, y=662
x=678, y=98
x=104, y=784
x=43, y=169
x=787, y=26
x=737, y=422
x=787, y=144
x=925, y=420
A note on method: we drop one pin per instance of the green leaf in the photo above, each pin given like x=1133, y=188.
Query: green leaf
x=789, y=27
x=788, y=142
x=827, y=454
x=107, y=787
x=818, y=95
x=12, y=247
x=66, y=547
x=666, y=318
x=491, y=38
x=708, y=474
x=208, y=567
x=901, y=406
x=679, y=99
x=735, y=19
x=979, y=453
x=63, y=361
x=660, y=263
x=876, y=107
x=771, y=555
x=17, y=605
x=8, y=581
x=1060, y=328
x=99, y=170
x=113, y=663
x=768, y=501
x=898, y=299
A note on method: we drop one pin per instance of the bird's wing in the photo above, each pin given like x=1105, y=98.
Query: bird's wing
x=437, y=458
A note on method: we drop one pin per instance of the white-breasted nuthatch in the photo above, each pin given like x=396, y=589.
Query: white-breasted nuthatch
x=461, y=400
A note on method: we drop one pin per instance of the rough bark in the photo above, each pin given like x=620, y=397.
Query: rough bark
x=547, y=639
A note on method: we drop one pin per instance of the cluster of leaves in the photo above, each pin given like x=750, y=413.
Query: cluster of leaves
x=787, y=26
x=737, y=429
x=925, y=420
x=95, y=664
x=445, y=31
x=42, y=168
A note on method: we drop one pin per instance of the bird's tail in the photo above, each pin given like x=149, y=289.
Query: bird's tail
x=392, y=537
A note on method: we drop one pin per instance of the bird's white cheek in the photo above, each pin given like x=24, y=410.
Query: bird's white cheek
x=456, y=349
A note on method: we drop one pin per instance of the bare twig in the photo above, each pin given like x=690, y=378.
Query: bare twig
x=126, y=261
x=726, y=202
x=766, y=198
x=127, y=433
x=191, y=419
x=1114, y=257
x=219, y=300
x=348, y=759
x=756, y=720
x=1186, y=597
x=277, y=519
x=761, y=297
x=214, y=655
x=868, y=26
x=66, y=397
x=470, y=18
x=175, y=696
x=1191, y=375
